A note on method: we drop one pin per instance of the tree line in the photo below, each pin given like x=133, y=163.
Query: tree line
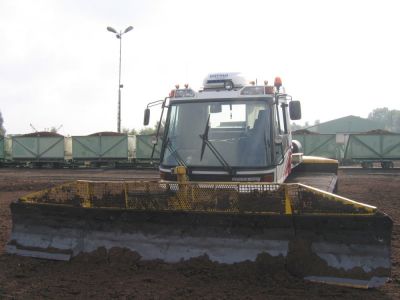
x=389, y=118
x=148, y=130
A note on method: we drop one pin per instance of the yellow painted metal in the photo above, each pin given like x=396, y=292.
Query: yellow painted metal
x=181, y=200
x=333, y=197
x=31, y=197
x=318, y=160
x=180, y=172
x=89, y=191
x=126, y=194
x=288, y=202
x=232, y=197
x=344, y=284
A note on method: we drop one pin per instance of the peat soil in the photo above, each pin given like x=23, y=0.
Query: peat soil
x=123, y=275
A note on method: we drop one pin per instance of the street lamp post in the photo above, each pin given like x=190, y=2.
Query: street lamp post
x=120, y=86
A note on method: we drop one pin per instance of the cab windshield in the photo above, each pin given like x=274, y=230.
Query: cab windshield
x=239, y=132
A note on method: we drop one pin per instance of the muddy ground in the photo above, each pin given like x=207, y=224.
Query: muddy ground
x=123, y=275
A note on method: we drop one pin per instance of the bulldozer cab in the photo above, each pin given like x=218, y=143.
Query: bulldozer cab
x=235, y=130
x=225, y=135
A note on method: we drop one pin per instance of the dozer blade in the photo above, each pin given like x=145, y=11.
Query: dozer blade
x=313, y=234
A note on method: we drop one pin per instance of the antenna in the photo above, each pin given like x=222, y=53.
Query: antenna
x=33, y=127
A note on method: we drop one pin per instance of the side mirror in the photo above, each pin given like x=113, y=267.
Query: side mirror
x=146, y=117
x=295, y=110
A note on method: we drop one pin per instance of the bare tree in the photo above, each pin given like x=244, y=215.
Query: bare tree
x=2, y=129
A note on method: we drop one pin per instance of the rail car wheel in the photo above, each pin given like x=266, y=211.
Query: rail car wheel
x=387, y=164
x=367, y=165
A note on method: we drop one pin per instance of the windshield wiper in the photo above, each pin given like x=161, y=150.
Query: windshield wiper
x=175, y=153
x=204, y=137
x=216, y=153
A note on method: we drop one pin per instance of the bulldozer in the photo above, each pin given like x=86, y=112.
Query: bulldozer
x=233, y=186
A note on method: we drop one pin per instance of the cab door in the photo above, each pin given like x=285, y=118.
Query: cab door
x=282, y=139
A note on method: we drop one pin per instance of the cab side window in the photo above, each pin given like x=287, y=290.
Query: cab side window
x=282, y=118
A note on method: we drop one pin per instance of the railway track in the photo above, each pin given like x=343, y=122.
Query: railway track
x=370, y=171
x=70, y=175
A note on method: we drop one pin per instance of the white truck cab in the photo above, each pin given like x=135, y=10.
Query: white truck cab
x=231, y=130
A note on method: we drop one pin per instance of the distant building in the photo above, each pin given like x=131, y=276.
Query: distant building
x=349, y=124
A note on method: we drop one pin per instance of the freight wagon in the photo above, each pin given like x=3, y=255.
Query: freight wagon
x=324, y=145
x=110, y=149
x=38, y=149
x=364, y=148
x=103, y=149
x=372, y=148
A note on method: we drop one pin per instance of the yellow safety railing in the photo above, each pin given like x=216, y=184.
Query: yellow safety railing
x=234, y=197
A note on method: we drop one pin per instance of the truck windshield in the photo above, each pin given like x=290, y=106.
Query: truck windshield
x=239, y=131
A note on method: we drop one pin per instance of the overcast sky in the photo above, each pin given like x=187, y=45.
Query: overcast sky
x=59, y=64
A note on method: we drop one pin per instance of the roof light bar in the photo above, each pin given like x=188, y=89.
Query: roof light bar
x=182, y=93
